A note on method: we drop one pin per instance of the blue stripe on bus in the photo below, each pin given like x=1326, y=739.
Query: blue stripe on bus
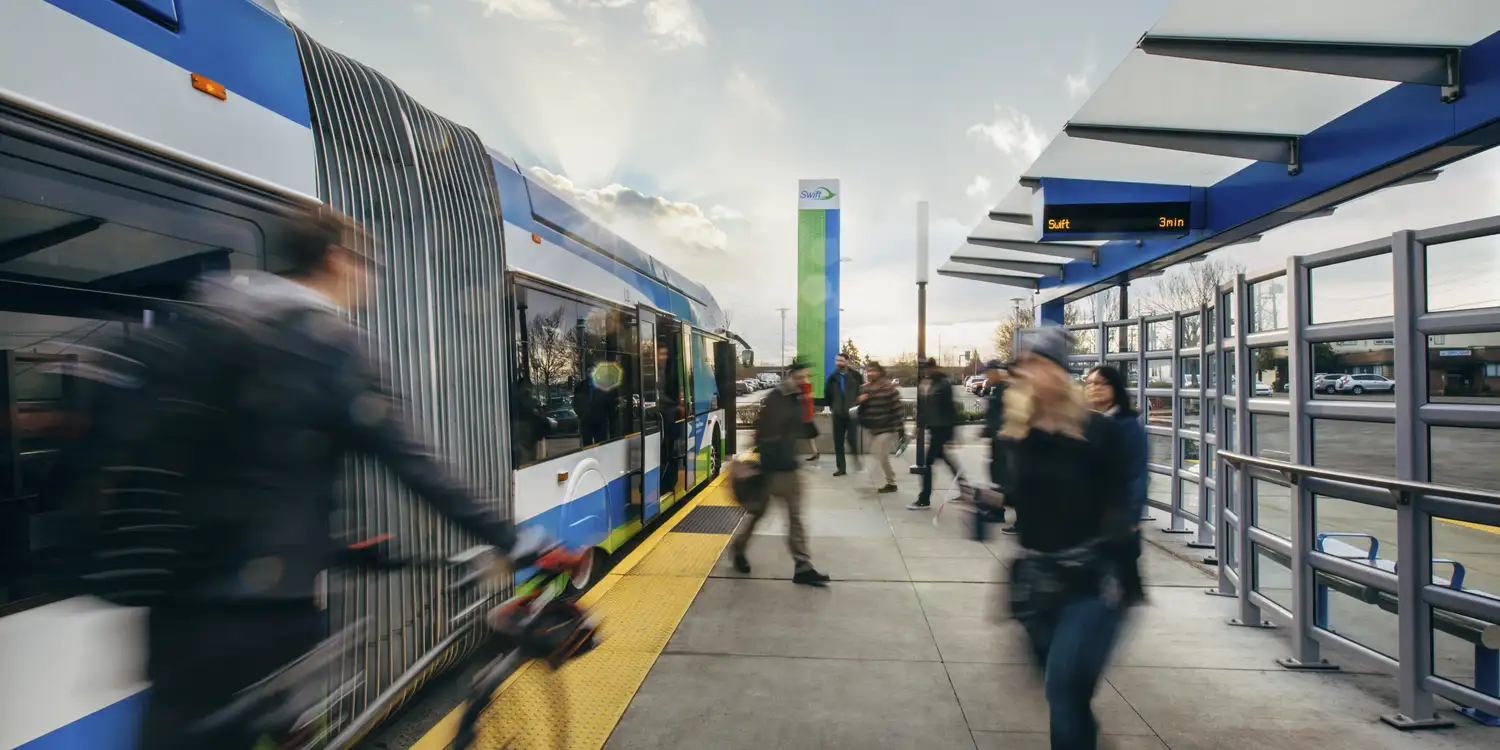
x=234, y=42
x=114, y=727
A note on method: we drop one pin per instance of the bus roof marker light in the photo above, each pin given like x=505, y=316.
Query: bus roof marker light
x=211, y=87
x=537, y=238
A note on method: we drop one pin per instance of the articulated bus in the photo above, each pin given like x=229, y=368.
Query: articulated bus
x=578, y=380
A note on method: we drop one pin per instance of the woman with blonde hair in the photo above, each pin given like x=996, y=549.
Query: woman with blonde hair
x=1070, y=487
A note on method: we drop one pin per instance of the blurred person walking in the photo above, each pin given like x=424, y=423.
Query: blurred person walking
x=1071, y=485
x=940, y=417
x=778, y=427
x=880, y=414
x=841, y=391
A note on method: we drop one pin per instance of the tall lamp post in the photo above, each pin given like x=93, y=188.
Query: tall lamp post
x=920, y=466
x=783, y=336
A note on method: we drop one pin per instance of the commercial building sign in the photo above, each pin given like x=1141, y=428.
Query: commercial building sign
x=818, y=204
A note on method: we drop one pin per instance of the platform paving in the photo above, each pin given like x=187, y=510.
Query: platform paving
x=907, y=649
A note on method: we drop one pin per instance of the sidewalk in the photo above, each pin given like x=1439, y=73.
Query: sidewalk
x=904, y=650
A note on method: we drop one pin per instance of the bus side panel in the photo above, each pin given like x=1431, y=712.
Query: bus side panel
x=131, y=78
x=74, y=676
x=580, y=498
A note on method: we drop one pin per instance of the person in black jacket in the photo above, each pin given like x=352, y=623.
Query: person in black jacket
x=996, y=381
x=778, y=427
x=1071, y=485
x=288, y=390
x=940, y=414
x=841, y=391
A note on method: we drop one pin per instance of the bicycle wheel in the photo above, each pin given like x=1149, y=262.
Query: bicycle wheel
x=530, y=715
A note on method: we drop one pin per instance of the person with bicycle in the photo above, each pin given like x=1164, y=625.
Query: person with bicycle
x=234, y=422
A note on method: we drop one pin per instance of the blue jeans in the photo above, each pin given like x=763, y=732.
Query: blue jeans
x=1072, y=647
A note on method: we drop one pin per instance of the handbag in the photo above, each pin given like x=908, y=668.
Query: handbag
x=1043, y=583
x=750, y=485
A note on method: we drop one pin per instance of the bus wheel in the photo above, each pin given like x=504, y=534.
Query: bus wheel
x=715, y=455
x=598, y=564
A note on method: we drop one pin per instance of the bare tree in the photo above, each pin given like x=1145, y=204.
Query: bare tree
x=551, y=352
x=728, y=313
x=1188, y=286
x=1005, y=333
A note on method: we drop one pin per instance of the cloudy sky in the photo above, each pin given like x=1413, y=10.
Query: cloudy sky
x=687, y=123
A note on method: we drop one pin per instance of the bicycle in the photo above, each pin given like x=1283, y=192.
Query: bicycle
x=291, y=708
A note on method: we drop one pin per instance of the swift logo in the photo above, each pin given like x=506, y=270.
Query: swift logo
x=820, y=194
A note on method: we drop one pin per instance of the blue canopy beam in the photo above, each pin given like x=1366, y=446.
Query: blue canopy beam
x=1005, y=264
x=1276, y=149
x=1056, y=249
x=1022, y=282
x=1400, y=63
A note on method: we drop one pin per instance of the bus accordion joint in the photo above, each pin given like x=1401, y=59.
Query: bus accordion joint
x=211, y=87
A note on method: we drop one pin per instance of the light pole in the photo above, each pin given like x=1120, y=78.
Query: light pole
x=783, y=336
x=920, y=467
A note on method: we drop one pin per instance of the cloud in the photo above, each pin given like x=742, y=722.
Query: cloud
x=627, y=209
x=725, y=213
x=423, y=9
x=744, y=89
x=674, y=23
x=526, y=10
x=1080, y=83
x=979, y=188
x=602, y=3
x=291, y=10
x=1012, y=133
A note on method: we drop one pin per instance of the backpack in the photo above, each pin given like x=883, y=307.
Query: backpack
x=136, y=531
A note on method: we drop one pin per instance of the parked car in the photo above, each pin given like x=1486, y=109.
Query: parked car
x=564, y=421
x=769, y=379
x=1324, y=382
x=1364, y=383
x=974, y=384
x=1261, y=389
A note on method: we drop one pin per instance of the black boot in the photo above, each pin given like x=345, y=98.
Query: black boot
x=810, y=577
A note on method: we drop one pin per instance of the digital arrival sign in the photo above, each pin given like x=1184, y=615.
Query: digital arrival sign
x=1167, y=218
x=1064, y=209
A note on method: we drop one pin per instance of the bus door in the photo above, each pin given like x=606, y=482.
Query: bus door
x=724, y=366
x=645, y=447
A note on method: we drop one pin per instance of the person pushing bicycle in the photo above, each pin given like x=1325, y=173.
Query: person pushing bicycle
x=219, y=445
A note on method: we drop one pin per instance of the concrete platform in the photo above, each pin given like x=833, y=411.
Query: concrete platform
x=907, y=649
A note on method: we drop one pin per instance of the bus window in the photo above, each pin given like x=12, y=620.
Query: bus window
x=705, y=385
x=548, y=357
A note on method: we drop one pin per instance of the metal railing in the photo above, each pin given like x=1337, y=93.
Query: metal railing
x=1410, y=591
x=1252, y=437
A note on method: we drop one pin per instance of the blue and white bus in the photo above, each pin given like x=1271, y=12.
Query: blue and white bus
x=578, y=380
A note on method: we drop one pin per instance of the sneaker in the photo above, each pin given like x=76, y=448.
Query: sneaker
x=741, y=565
x=887, y=489
x=1010, y=530
x=840, y=473
x=812, y=458
x=920, y=505
x=810, y=577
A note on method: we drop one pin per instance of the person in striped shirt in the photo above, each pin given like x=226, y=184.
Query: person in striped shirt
x=880, y=413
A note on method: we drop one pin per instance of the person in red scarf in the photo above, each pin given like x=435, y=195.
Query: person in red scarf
x=810, y=429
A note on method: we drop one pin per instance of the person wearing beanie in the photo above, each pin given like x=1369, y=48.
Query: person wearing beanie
x=1071, y=488
x=778, y=428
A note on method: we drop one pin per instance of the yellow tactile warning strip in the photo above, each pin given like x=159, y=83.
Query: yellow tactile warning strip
x=639, y=604
x=680, y=554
